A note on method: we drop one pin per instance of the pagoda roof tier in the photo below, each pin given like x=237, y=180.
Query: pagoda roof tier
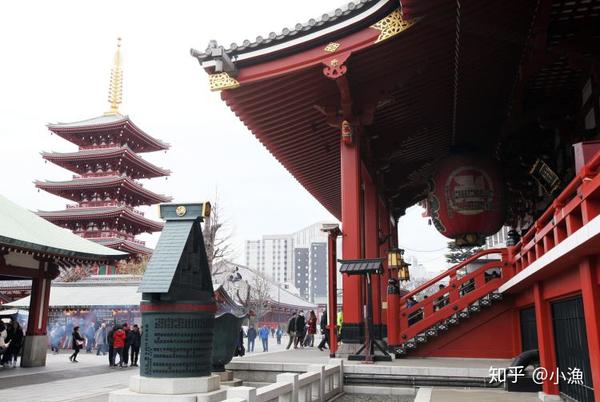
x=65, y=188
x=76, y=161
x=98, y=130
x=128, y=246
x=93, y=213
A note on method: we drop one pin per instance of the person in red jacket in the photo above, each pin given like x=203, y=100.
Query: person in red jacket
x=119, y=343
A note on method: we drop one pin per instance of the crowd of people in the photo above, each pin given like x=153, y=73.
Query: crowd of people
x=301, y=331
x=118, y=341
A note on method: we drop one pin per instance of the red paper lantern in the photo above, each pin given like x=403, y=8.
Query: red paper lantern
x=466, y=202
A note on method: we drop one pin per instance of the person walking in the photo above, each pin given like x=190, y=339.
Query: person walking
x=127, y=346
x=89, y=337
x=3, y=335
x=136, y=342
x=118, y=344
x=278, y=334
x=55, y=335
x=14, y=341
x=251, y=338
x=109, y=341
x=311, y=329
x=324, y=331
x=291, y=330
x=100, y=339
x=78, y=343
x=300, y=330
x=264, y=337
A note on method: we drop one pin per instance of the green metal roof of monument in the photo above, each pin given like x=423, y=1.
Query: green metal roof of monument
x=21, y=228
x=165, y=259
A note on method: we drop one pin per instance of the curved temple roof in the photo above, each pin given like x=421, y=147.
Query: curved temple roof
x=70, y=131
x=106, y=212
x=101, y=182
x=418, y=79
x=25, y=230
x=365, y=11
x=64, y=159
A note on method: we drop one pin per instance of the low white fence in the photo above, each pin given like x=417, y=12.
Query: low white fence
x=320, y=383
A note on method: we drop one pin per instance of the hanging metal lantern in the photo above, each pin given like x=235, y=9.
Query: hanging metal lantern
x=403, y=272
x=395, y=258
x=466, y=202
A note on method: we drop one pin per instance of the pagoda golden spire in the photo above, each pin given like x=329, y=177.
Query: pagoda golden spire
x=115, y=90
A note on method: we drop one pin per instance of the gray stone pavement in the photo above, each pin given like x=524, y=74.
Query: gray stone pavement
x=91, y=380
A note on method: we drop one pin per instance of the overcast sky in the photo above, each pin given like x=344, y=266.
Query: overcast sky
x=56, y=59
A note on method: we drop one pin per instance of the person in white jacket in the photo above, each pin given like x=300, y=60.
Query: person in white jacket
x=3, y=335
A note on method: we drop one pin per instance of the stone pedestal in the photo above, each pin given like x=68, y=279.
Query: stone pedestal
x=189, y=389
x=34, y=351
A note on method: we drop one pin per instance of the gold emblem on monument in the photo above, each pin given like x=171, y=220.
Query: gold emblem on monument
x=180, y=210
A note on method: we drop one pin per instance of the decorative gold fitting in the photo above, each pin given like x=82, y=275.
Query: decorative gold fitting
x=391, y=25
x=222, y=81
x=332, y=47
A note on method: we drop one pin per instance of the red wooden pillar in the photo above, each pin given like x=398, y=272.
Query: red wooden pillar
x=332, y=289
x=350, y=166
x=383, y=230
x=372, y=249
x=393, y=312
x=543, y=318
x=590, y=293
x=38, y=302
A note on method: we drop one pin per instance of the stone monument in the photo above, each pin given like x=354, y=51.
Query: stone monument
x=178, y=315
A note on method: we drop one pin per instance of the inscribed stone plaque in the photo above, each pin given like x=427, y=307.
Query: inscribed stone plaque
x=176, y=344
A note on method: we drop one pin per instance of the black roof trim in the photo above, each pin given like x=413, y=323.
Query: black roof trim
x=327, y=20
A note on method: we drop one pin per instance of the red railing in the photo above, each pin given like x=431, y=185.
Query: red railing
x=574, y=207
x=461, y=288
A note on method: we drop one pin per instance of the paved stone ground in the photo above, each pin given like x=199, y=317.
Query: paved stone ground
x=476, y=395
x=90, y=380
x=374, y=398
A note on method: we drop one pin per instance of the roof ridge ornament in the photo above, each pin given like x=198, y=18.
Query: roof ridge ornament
x=115, y=89
x=392, y=24
x=221, y=81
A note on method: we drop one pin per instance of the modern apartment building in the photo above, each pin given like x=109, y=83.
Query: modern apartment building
x=299, y=258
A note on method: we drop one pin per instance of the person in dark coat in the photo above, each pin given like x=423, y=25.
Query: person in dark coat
x=300, y=330
x=251, y=338
x=291, y=330
x=240, y=351
x=128, y=339
x=14, y=339
x=135, y=343
x=324, y=331
x=111, y=348
x=78, y=343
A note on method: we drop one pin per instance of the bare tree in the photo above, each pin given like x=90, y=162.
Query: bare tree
x=256, y=295
x=217, y=237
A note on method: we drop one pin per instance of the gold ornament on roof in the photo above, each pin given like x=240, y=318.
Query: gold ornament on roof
x=115, y=89
x=391, y=25
x=221, y=81
x=332, y=47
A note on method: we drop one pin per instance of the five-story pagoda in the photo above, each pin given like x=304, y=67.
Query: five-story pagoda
x=107, y=167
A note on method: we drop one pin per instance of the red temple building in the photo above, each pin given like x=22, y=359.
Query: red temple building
x=366, y=105
x=105, y=187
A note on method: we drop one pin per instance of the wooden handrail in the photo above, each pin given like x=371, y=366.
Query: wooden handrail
x=452, y=270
